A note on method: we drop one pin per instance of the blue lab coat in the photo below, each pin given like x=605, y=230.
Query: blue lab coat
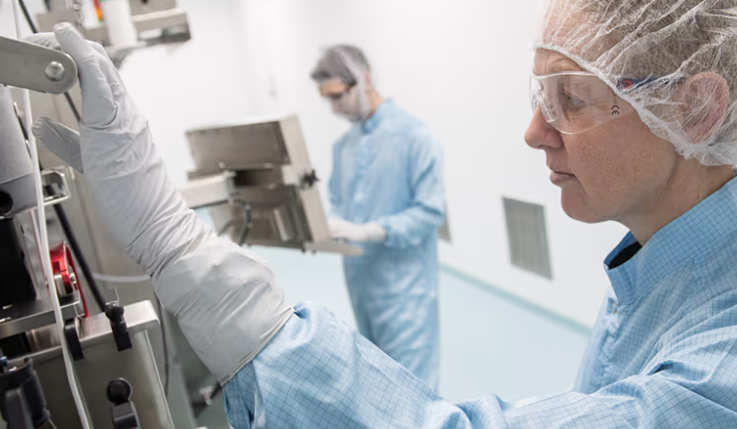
x=663, y=353
x=388, y=169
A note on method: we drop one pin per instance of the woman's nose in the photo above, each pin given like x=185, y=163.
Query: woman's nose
x=540, y=134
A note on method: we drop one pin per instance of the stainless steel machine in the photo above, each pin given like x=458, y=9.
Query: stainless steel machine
x=260, y=186
x=156, y=21
x=256, y=179
x=107, y=348
x=116, y=340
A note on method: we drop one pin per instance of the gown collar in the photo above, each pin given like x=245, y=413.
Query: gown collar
x=688, y=239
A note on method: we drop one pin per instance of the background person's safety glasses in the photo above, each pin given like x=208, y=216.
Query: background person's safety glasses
x=575, y=102
x=338, y=96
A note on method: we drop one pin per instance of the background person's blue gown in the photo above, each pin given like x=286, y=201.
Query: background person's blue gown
x=388, y=169
x=663, y=354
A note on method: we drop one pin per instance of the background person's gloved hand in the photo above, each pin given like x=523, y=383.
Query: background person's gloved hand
x=369, y=232
x=225, y=298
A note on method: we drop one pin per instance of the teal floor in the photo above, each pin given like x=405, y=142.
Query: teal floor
x=490, y=344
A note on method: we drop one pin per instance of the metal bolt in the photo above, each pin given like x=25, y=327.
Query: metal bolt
x=55, y=71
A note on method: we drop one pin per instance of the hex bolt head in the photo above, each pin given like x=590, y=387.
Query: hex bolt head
x=55, y=71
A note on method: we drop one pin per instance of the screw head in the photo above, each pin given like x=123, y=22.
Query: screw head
x=55, y=71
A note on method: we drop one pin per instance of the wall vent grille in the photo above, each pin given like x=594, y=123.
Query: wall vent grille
x=528, y=238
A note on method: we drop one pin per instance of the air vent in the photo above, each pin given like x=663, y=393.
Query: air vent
x=528, y=237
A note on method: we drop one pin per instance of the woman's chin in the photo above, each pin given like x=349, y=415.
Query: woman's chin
x=579, y=209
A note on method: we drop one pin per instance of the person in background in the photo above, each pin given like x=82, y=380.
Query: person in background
x=386, y=192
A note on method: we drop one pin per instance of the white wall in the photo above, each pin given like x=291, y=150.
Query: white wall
x=463, y=67
x=191, y=85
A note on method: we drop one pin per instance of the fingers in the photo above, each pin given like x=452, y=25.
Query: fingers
x=99, y=107
x=62, y=141
x=47, y=40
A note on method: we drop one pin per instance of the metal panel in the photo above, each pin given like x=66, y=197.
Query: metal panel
x=528, y=239
x=240, y=147
x=102, y=364
x=102, y=253
x=25, y=316
x=273, y=175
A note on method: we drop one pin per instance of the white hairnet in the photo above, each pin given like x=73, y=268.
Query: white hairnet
x=664, y=57
x=349, y=64
x=343, y=62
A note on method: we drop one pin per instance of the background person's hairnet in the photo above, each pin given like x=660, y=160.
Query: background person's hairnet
x=647, y=50
x=342, y=62
x=348, y=64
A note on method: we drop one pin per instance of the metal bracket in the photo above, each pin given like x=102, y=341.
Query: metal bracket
x=56, y=187
x=208, y=191
x=26, y=316
x=34, y=67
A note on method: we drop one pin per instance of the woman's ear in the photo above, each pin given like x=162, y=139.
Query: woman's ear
x=705, y=98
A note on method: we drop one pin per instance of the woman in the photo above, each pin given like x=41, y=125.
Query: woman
x=635, y=110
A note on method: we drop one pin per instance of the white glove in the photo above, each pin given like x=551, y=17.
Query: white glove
x=369, y=232
x=224, y=298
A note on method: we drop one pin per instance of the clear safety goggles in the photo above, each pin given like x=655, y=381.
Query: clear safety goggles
x=339, y=96
x=575, y=102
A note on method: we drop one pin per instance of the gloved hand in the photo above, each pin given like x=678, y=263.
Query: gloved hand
x=225, y=298
x=369, y=232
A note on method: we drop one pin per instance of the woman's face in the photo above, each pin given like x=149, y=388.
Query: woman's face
x=614, y=171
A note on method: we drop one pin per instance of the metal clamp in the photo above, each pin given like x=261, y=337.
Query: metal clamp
x=56, y=186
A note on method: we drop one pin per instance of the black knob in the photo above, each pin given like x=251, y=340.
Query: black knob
x=114, y=311
x=119, y=391
x=310, y=179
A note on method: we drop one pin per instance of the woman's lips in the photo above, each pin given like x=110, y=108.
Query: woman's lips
x=559, y=177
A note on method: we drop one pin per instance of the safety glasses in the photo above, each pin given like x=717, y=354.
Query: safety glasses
x=338, y=96
x=575, y=102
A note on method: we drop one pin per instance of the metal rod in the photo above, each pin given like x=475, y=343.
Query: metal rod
x=28, y=17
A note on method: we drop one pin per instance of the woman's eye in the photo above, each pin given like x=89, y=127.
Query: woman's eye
x=572, y=100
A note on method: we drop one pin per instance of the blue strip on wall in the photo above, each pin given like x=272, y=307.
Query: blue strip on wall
x=563, y=321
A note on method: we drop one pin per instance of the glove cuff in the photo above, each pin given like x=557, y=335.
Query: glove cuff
x=227, y=303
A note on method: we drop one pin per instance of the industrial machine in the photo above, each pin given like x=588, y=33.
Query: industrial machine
x=155, y=21
x=255, y=178
x=260, y=187
x=107, y=347
x=72, y=355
